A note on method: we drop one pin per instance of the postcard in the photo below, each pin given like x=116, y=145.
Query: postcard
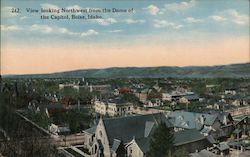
x=107, y=78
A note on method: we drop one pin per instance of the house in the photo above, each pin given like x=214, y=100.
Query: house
x=166, y=96
x=216, y=124
x=100, y=107
x=246, y=101
x=222, y=149
x=242, y=126
x=153, y=103
x=55, y=107
x=124, y=90
x=189, y=98
x=223, y=125
x=221, y=105
x=142, y=95
x=180, y=89
x=113, y=107
x=100, y=88
x=237, y=133
x=239, y=111
x=176, y=95
x=51, y=97
x=230, y=90
x=157, y=87
x=192, y=120
x=123, y=136
x=243, y=87
x=59, y=129
x=239, y=145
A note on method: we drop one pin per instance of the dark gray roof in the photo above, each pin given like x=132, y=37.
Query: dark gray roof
x=181, y=137
x=117, y=101
x=192, y=97
x=148, y=128
x=91, y=130
x=125, y=128
x=63, y=129
x=211, y=139
x=116, y=144
x=187, y=136
x=235, y=144
x=144, y=144
x=221, y=116
x=222, y=146
x=191, y=120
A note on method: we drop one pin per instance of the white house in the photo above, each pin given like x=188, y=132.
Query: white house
x=113, y=107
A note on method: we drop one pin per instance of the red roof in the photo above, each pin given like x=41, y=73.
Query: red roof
x=124, y=90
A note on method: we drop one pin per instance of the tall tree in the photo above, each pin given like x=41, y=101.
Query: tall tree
x=161, y=142
x=181, y=152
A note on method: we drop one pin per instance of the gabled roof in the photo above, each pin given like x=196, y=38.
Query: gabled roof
x=181, y=138
x=143, y=144
x=191, y=120
x=148, y=128
x=91, y=130
x=116, y=144
x=221, y=116
x=127, y=128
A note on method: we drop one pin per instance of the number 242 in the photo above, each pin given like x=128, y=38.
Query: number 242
x=15, y=10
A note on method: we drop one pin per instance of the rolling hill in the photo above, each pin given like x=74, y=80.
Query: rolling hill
x=221, y=71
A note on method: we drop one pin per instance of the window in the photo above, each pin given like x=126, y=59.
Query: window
x=100, y=132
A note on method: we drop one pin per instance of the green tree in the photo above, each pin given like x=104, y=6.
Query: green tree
x=130, y=98
x=161, y=142
x=181, y=152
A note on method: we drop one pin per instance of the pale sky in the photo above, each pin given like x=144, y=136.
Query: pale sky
x=156, y=33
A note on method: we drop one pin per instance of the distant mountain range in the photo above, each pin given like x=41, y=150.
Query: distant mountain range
x=221, y=71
